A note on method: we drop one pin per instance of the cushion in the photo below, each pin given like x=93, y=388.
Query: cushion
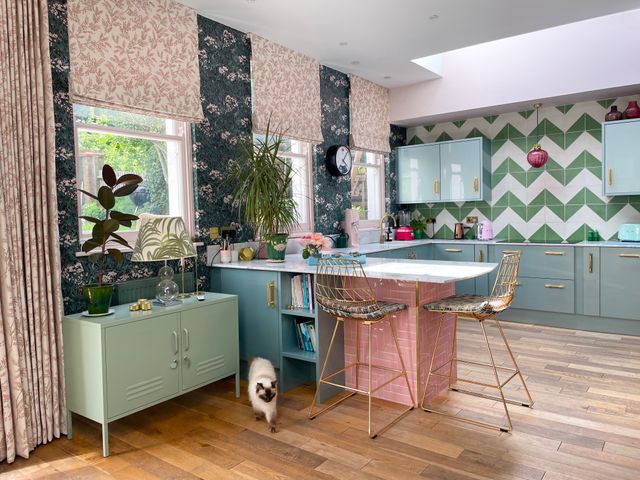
x=476, y=304
x=366, y=311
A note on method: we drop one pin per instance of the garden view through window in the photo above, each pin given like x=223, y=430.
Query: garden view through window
x=154, y=148
x=367, y=192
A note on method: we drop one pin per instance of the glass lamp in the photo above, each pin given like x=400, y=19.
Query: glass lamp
x=163, y=238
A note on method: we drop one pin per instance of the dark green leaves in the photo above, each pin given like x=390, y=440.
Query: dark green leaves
x=108, y=175
x=106, y=197
x=125, y=189
x=116, y=254
x=129, y=177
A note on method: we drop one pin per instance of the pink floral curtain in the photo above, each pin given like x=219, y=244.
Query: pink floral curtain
x=286, y=89
x=32, y=405
x=138, y=56
x=369, y=106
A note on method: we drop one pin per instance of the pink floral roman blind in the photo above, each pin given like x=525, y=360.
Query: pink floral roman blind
x=286, y=88
x=135, y=55
x=369, y=106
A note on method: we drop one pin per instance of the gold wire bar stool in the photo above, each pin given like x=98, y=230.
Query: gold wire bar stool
x=479, y=308
x=343, y=291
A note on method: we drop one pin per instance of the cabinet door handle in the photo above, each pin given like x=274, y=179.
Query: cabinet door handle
x=271, y=295
x=508, y=252
x=557, y=254
x=591, y=263
x=435, y=186
x=186, y=341
x=610, y=176
x=453, y=250
x=481, y=256
x=629, y=255
x=174, y=364
x=553, y=285
x=174, y=335
x=475, y=184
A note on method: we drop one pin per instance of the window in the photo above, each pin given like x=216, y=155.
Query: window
x=367, y=187
x=156, y=149
x=299, y=155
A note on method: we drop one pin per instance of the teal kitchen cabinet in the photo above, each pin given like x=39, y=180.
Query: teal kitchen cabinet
x=455, y=252
x=418, y=174
x=590, y=273
x=122, y=363
x=619, y=280
x=621, y=157
x=258, y=310
x=456, y=170
x=464, y=168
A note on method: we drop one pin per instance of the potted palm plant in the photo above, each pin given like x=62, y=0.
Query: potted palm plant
x=262, y=186
x=104, y=238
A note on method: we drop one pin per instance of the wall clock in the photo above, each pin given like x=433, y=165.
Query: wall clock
x=339, y=160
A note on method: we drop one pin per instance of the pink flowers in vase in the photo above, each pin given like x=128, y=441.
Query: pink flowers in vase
x=314, y=244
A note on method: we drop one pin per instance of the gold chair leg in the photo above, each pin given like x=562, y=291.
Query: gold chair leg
x=313, y=415
x=497, y=378
x=453, y=348
x=369, y=388
x=515, y=364
x=433, y=356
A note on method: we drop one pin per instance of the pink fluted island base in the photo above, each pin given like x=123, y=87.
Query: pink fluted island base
x=416, y=329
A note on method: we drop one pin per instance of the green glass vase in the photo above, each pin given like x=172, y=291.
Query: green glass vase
x=97, y=298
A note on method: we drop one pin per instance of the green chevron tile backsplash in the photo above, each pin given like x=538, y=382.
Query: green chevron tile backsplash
x=561, y=201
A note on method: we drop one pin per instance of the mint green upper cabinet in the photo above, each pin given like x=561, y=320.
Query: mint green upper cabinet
x=621, y=157
x=452, y=171
x=461, y=170
x=418, y=174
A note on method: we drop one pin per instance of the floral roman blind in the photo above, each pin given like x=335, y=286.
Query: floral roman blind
x=369, y=105
x=286, y=88
x=138, y=56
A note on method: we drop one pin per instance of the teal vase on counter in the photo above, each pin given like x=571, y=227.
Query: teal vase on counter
x=276, y=246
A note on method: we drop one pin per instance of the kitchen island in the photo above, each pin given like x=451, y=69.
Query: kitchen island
x=268, y=319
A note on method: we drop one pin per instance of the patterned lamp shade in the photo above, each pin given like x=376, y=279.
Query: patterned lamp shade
x=162, y=238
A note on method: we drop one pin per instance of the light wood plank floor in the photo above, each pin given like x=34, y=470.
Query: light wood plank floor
x=585, y=425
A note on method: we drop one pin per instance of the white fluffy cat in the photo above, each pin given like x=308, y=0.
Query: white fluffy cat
x=263, y=391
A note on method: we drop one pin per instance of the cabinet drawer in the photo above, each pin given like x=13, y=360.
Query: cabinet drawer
x=619, y=279
x=540, y=261
x=142, y=360
x=547, y=294
x=454, y=252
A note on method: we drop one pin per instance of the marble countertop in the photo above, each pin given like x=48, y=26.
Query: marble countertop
x=430, y=271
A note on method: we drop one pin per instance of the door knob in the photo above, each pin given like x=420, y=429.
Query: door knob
x=174, y=364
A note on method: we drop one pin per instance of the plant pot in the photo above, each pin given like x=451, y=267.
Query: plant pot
x=97, y=298
x=418, y=234
x=276, y=246
x=632, y=110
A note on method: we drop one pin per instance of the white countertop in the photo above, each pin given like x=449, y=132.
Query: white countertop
x=430, y=271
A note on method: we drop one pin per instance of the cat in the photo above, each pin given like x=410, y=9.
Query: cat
x=263, y=391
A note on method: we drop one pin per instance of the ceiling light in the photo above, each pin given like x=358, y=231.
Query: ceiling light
x=537, y=157
x=355, y=62
x=343, y=44
x=435, y=16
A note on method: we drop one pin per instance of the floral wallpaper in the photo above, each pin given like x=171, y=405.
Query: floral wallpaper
x=332, y=195
x=397, y=138
x=226, y=101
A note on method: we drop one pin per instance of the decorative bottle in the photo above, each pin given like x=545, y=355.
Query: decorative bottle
x=613, y=115
x=632, y=110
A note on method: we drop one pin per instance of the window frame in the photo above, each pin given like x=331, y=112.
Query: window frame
x=371, y=223
x=188, y=200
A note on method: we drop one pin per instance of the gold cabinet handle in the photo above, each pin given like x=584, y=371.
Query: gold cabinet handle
x=481, y=256
x=510, y=251
x=475, y=184
x=271, y=294
x=558, y=254
x=453, y=250
x=629, y=255
x=553, y=285
x=610, y=176
x=591, y=263
x=435, y=186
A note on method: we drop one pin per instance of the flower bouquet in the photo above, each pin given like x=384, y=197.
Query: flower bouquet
x=314, y=244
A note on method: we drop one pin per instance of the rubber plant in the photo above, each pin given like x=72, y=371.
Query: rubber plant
x=104, y=239
x=262, y=187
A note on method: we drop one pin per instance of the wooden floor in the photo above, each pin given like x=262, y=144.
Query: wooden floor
x=585, y=424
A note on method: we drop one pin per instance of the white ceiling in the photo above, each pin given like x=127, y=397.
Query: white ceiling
x=384, y=36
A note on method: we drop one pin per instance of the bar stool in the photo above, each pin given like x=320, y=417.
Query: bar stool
x=343, y=291
x=479, y=308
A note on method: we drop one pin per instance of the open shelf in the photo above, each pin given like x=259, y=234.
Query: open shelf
x=298, y=312
x=300, y=355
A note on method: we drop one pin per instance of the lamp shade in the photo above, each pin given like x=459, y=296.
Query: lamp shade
x=162, y=238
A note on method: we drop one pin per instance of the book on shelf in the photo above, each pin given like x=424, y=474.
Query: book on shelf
x=306, y=334
x=302, y=294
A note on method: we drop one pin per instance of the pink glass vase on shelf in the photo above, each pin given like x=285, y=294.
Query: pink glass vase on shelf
x=632, y=110
x=537, y=157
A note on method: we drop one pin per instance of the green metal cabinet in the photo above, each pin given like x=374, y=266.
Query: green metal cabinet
x=258, y=310
x=461, y=169
x=119, y=364
x=619, y=283
x=589, y=267
x=621, y=157
x=455, y=252
x=418, y=174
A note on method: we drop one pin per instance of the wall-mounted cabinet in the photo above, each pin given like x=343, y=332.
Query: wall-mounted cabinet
x=621, y=157
x=457, y=170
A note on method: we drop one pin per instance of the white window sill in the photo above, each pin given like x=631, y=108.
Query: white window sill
x=123, y=250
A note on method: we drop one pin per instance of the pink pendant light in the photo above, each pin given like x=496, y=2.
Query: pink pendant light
x=537, y=157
